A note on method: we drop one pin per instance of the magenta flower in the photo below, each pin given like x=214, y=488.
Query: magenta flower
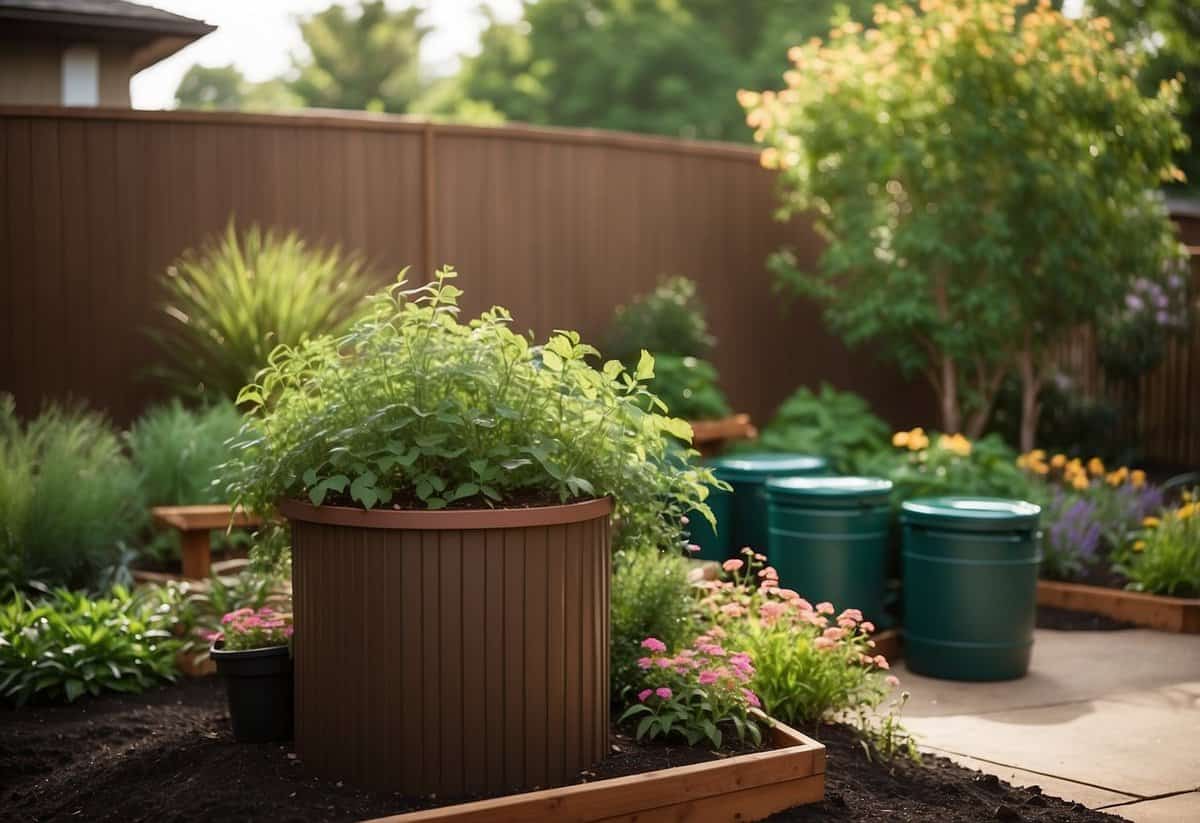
x=663, y=692
x=752, y=698
x=654, y=644
x=645, y=662
x=643, y=694
x=708, y=677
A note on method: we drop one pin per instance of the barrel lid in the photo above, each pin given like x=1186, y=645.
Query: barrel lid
x=749, y=467
x=831, y=489
x=974, y=513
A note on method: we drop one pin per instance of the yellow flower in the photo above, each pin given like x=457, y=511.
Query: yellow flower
x=1041, y=468
x=1096, y=466
x=1138, y=478
x=1118, y=477
x=1150, y=522
x=900, y=439
x=917, y=440
x=1058, y=461
x=1139, y=546
x=1080, y=482
x=1074, y=466
x=1184, y=512
x=955, y=443
x=1022, y=461
x=1187, y=496
x=1037, y=455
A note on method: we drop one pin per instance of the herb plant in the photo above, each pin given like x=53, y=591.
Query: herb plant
x=693, y=694
x=834, y=424
x=414, y=408
x=228, y=304
x=69, y=499
x=67, y=644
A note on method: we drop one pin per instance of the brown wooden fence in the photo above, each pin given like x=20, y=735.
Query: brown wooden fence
x=560, y=226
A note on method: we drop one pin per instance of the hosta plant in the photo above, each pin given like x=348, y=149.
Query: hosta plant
x=415, y=408
x=695, y=693
x=67, y=644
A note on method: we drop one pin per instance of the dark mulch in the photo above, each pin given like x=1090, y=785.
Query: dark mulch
x=167, y=755
x=1067, y=620
x=858, y=789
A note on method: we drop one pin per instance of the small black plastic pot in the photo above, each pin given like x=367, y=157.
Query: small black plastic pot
x=258, y=684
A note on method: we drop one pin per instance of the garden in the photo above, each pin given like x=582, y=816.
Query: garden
x=374, y=554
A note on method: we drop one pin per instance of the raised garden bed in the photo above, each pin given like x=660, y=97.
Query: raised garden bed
x=1172, y=614
x=747, y=786
x=169, y=754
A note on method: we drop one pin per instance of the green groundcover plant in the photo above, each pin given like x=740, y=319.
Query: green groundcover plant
x=651, y=597
x=1164, y=557
x=415, y=408
x=228, y=304
x=66, y=644
x=69, y=501
x=834, y=424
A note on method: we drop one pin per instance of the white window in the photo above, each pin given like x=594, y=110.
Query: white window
x=81, y=76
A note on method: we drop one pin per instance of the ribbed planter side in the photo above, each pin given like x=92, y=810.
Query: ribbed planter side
x=452, y=661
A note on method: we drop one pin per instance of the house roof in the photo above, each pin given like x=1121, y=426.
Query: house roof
x=155, y=33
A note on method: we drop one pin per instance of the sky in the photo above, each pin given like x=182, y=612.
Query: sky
x=259, y=36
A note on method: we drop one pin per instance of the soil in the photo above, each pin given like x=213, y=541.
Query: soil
x=937, y=790
x=168, y=755
x=1067, y=620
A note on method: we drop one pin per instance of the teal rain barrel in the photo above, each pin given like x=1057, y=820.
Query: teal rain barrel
x=829, y=539
x=742, y=513
x=970, y=567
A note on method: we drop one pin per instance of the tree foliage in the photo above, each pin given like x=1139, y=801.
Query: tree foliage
x=984, y=180
x=225, y=87
x=365, y=60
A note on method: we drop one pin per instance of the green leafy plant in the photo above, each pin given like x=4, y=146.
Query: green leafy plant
x=415, y=408
x=651, y=597
x=176, y=451
x=694, y=693
x=668, y=320
x=69, y=498
x=932, y=465
x=1165, y=556
x=688, y=387
x=834, y=424
x=67, y=644
x=238, y=297
x=809, y=665
x=986, y=178
x=196, y=609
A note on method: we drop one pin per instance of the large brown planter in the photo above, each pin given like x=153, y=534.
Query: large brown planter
x=452, y=652
x=1154, y=611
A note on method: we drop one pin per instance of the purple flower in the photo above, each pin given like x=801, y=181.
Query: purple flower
x=1133, y=302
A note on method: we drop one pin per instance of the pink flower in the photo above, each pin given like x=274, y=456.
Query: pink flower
x=717, y=631
x=746, y=550
x=645, y=662
x=770, y=612
x=760, y=557
x=769, y=573
x=288, y=631
x=663, y=692
x=881, y=662
x=732, y=610
x=752, y=698
x=825, y=608
x=683, y=521
x=664, y=662
x=654, y=644
x=643, y=694
x=789, y=594
x=732, y=564
x=823, y=643
x=867, y=626
x=851, y=614
x=892, y=680
x=693, y=548
x=834, y=633
x=708, y=677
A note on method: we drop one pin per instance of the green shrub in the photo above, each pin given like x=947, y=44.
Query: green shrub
x=1070, y=421
x=66, y=644
x=668, y=320
x=196, y=610
x=415, y=408
x=933, y=465
x=68, y=498
x=233, y=301
x=176, y=452
x=651, y=597
x=834, y=424
x=688, y=387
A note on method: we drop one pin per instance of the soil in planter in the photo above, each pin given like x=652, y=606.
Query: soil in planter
x=1068, y=620
x=858, y=789
x=168, y=754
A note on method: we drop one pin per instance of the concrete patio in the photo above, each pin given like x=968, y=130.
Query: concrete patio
x=1108, y=719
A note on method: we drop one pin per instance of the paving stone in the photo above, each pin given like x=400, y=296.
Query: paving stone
x=1182, y=808
x=1089, y=796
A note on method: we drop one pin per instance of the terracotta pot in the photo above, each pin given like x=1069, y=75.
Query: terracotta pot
x=451, y=652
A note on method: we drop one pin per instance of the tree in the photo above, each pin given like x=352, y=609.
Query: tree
x=659, y=66
x=985, y=180
x=369, y=60
x=211, y=87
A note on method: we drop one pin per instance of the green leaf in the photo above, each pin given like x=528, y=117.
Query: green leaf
x=645, y=366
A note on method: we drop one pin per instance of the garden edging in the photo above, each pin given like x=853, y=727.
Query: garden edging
x=1153, y=611
x=743, y=787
